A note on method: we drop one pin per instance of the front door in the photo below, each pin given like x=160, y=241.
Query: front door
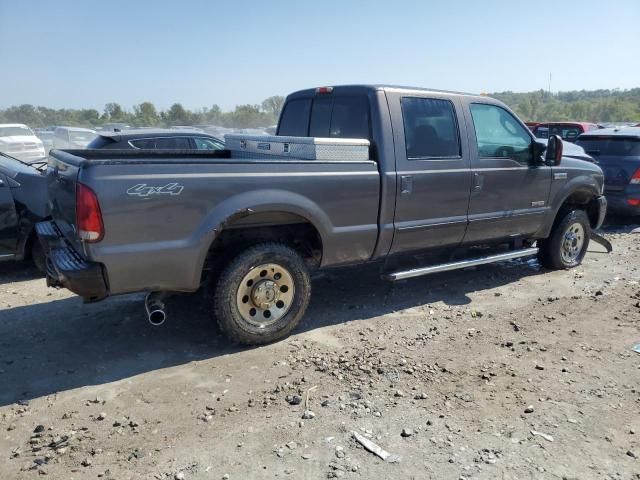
x=510, y=189
x=433, y=172
x=8, y=220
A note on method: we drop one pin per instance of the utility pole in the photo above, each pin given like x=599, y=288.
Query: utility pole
x=549, y=83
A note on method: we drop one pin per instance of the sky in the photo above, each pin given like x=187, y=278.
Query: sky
x=85, y=53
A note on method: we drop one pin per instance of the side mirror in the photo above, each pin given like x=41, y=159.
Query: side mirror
x=553, y=157
x=539, y=148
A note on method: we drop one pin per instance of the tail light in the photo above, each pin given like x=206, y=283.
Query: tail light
x=635, y=180
x=634, y=202
x=88, y=215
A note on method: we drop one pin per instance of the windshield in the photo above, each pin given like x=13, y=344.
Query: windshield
x=15, y=131
x=81, y=137
x=611, y=146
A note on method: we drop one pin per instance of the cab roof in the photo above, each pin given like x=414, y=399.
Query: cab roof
x=361, y=88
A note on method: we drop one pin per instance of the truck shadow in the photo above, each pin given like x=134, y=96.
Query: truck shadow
x=11, y=271
x=64, y=344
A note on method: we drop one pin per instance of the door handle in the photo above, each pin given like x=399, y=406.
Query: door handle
x=478, y=182
x=406, y=184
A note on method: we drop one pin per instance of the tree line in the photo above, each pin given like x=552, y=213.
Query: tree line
x=146, y=114
x=580, y=105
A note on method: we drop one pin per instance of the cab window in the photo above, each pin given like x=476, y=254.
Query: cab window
x=430, y=128
x=207, y=144
x=499, y=134
x=295, y=118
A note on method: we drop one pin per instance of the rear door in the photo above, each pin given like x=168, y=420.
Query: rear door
x=8, y=220
x=433, y=171
x=617, y=155
x=510, y=190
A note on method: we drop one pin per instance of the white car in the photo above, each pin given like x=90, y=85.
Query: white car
x=19, y=141
x=73, y=137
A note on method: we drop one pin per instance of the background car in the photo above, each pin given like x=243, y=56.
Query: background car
x=19, y=141
x=46, y=136
x=569, y=131
x=72, y=137
x=23, y=203
x=617, y=152
x=157, y=139
x=114, y=127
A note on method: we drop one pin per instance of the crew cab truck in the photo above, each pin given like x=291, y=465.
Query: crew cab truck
x=448, y=180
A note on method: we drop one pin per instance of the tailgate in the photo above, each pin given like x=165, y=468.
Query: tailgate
x=617, y=172
x=62, y=177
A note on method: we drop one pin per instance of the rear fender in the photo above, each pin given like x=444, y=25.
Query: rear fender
x=246, y=204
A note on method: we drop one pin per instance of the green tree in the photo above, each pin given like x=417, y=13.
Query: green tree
x=113, y=112
x=146, y=115
x=273, y=105
x=177, y=115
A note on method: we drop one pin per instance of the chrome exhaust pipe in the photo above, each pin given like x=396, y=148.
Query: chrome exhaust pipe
x=154, y=306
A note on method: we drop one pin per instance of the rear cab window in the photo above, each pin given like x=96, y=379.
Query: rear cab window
x=340, y=116
x=610, y=146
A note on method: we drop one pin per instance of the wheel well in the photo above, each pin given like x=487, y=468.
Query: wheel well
x=296, y=231
x=582, y=200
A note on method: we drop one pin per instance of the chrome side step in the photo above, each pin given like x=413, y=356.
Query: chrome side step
x=445, y=267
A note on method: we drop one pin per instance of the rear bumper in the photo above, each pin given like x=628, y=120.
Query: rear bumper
x=66, y=267
x=619, y=203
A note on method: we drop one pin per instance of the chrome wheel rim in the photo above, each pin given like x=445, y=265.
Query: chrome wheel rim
x=572, y=243
x=265, y=294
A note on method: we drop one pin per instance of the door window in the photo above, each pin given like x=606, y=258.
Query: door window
x=430, y=128
x=499, y=134
x=207, y=144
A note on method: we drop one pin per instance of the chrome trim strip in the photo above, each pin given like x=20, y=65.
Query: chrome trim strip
x=445, y=267
x=7, y=256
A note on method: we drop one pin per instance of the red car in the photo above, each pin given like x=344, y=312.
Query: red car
x=532, y=125
x=569, y=131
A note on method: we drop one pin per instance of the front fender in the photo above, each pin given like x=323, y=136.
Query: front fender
x=580, y=188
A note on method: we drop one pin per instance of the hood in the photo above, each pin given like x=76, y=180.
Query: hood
x=20, y=139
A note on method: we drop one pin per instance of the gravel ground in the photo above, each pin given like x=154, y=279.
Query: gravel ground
x=505, y=371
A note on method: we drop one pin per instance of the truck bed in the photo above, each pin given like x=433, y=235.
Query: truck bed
x=162, y=210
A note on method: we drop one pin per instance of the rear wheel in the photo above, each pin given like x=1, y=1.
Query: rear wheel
x=262, y=294
x=567, y=245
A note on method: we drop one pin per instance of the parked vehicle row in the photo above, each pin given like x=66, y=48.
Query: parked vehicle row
x=568, y=131
x=419, y=181
x=19, y=141
x=617, y=152
x=23, y=203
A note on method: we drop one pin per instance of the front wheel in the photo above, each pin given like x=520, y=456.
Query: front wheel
x=567, y=245
x=262, y=294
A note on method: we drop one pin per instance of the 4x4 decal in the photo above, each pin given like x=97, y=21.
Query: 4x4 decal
x=144, y=190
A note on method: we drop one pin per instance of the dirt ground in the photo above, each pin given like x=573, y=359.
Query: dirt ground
x=505, y=371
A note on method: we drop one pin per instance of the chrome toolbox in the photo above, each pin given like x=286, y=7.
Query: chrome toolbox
x=305, y=148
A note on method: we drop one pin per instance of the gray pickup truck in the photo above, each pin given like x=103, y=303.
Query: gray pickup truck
x=447, y=181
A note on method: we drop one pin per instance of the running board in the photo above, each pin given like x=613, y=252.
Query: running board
x=445, y=267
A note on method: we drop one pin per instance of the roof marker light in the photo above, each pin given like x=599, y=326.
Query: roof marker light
x=324, y=90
